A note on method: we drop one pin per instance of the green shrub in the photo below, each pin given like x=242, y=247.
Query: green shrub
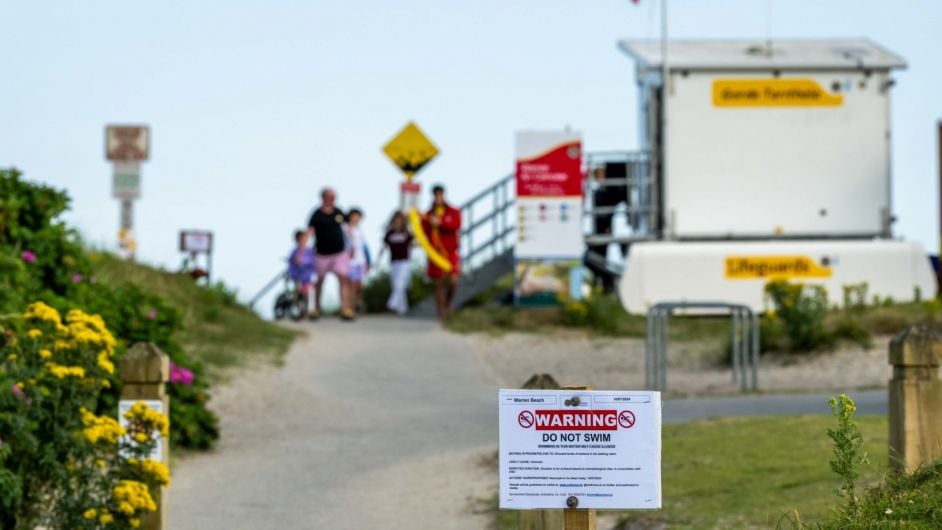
x=43, y=259
x=61, y=465
x=801, y=308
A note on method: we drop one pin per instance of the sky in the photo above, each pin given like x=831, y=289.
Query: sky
x=255, y=106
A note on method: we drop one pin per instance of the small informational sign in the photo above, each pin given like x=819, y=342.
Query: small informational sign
x=410, y=150
x=127, y=143
x=196, y=241
x=124, y=406
x=549, y=195
x=126, y=182
x=601, y=447
x=409, y=195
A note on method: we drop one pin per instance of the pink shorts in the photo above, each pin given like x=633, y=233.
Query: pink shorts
x=338, y=264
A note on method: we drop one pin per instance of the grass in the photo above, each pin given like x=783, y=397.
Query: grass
x=217, y=330
x=607, y=318
x=749, y=473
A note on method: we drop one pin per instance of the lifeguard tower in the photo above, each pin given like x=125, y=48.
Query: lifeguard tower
x=759, y=160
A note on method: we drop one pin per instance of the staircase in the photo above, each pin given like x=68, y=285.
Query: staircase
x=618, y=183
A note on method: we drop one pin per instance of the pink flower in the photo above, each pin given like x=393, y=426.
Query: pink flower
x=76, y=278
x=180, y=376
x=17, y=391
x=92, y=279
x=152, y=313
x=28, y=256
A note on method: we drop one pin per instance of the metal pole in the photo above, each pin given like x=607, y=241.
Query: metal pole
x=665, y=91
x=734, y=340
x=755, y=351
x=665, y=318
x=939, y=272
x=648, y=345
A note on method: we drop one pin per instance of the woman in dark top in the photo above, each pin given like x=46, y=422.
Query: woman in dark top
x=399, y=241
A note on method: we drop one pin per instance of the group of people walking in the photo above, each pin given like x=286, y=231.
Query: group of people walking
x=340, y=248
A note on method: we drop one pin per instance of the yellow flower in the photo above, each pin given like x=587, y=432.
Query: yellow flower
x=101, y=428
x=105, y=517
x=34, y=333
x=147, y=419
x=134, y=522
x=133, y=496
x=11, y=357
x=62, y=372
x=41, y=311
x=100, y=463
x=45, y=354
x=141, y=437
x=90, y=513
x=104, y=363
x=157, y=471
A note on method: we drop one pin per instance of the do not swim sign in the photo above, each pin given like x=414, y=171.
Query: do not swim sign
x=603, y=448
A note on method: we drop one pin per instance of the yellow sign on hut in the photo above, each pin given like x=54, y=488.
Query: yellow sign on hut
x=410, y=150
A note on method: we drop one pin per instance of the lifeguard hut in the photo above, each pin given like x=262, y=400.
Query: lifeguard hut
x=761, y=160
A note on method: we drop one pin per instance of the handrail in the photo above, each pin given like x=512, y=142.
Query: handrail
x=268, y=287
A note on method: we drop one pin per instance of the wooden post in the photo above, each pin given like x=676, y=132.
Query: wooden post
x=916, y=397
x=144, y=372
x=579, y=519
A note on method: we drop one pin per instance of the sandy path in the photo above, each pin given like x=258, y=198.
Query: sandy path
x=618, y=363
x=377, y=424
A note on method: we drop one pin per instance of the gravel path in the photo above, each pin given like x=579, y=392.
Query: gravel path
x=384, y=423
x=378, y=424
x=618, y=363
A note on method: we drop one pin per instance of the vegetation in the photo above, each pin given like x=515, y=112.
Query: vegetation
x=215, y=328
x=42, y=259
x=748, y=472
x=61, y=465
x=377, y=289
x=799, y=320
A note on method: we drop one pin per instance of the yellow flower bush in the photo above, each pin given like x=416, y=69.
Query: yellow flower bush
x=153, y=469
x=101, y=428
x=145, y=420
x=133, y=497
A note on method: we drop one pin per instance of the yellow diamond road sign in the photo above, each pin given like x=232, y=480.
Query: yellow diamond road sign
x=410, y=150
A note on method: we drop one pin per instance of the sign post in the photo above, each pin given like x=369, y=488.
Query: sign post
x=193, y=243
x=126, y=146
x=579, y=450
x=410, y=150
x=549, y=211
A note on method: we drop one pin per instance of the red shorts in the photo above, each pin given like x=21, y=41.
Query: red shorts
x=435, y=272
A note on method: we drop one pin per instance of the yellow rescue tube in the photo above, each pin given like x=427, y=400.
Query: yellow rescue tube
x=434, y=256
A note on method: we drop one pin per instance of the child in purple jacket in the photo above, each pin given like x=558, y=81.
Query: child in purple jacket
x=301, y=273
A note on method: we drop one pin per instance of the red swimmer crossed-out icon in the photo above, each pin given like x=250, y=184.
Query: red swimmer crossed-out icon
x=626, y=419
x=525, y=419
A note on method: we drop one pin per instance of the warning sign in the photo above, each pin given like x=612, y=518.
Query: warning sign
x=603, y=448
x=410, y=150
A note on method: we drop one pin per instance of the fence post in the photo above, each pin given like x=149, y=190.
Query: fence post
x=915, y=397
x=144, y=372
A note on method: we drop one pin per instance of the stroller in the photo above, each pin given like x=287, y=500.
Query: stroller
x=291, y=302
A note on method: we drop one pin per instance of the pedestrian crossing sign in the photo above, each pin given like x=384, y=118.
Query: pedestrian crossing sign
x=410, y=150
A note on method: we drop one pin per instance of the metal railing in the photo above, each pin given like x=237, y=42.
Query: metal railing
x=621, y=183
x=744, y=335
x=486, y=231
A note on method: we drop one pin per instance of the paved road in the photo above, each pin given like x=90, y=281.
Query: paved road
x=376, y=424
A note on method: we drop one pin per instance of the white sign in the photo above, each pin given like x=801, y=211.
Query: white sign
x=196, y=241
x=126, y=183
x=601, y=447
x=549, y=195
x=124, y=406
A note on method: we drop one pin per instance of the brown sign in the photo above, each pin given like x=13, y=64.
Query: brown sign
x=127, y=142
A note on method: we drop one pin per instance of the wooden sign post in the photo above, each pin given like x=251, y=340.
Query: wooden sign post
x=145, y=371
